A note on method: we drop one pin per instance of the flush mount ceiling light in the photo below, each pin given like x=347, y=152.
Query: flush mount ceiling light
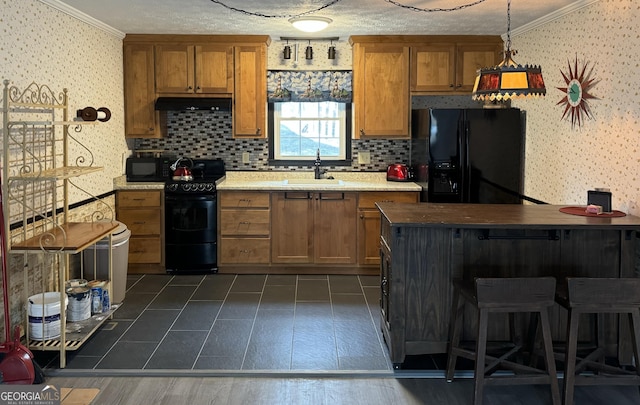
x=310, y=24
x=508, y=80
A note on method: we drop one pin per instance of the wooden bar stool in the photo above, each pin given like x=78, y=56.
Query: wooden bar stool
x=581, y=295
x=505, y=295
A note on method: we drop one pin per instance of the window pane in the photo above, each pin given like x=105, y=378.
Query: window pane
x=304, y=127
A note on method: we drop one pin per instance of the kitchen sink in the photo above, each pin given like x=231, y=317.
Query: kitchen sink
x=314, y=182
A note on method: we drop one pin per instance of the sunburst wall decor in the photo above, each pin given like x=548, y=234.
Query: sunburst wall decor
x=579, y=84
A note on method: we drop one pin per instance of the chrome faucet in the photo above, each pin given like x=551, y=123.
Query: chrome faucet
x=318, y=172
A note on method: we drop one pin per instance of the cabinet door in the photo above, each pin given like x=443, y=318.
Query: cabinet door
x=174, y=69
x=369, y=237
x=141, y=118
x=470, y=58
x=433, y=67
x=250, y=91
x=291, y=227
x=381, y=90
x=214, y=69
x=335, y=228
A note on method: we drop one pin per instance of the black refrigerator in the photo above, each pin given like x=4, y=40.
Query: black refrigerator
x=469, y=155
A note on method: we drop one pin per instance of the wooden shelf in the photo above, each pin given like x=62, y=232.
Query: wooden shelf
x=76, y=333
x=72, y=237
x=59, y=173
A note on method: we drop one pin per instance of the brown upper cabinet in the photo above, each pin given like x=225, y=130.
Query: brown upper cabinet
x=194, y=69
x=195, y=66
x=381, y=89
x=452, y=67
x=389, y=69
x=141, y=118
x=250, y=95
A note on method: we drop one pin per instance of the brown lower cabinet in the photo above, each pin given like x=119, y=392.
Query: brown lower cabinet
x=300, y=231
x=142, y=212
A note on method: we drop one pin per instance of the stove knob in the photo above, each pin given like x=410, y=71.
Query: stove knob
x=210, y=187
x=172, y=187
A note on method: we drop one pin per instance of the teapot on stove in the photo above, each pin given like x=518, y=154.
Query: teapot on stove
x=182, y=172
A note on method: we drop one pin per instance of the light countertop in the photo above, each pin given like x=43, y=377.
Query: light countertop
x=290, y=180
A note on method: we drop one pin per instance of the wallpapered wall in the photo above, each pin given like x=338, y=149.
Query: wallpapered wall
x=40, y=44
x=563, y=163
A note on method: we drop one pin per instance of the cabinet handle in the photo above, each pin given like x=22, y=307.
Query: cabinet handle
x=190, y=88
x=362, y=132
x=451, y=85
x=244, y=223
x=386, y=201
x=296, y=196
x=258, y=131
x=383, y=287
x=151, y=129
x=137, y=199
x=361, y=216
x=139, y=222
x=247, y=251
x=459, y=85
x=332, y=198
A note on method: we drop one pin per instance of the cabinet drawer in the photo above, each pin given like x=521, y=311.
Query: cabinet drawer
x=134, y=199
x=244, y=199
x=143, y=221
x=244, y=250
x=368, y=199
x=244, y=222
x=145, y=250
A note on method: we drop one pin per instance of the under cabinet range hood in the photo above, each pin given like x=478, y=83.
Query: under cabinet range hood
x=193, y=104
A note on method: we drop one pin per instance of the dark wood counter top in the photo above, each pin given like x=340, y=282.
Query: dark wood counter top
x=504, y=216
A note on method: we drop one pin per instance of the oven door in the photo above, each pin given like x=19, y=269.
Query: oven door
x=190, y=218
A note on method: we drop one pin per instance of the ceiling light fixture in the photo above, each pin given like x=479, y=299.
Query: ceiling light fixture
x=508, y=80
x=310, y=24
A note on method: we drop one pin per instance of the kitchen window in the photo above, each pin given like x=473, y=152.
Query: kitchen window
x=297, y=130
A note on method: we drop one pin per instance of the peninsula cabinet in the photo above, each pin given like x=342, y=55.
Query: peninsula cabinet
x=313, y=227
x=141, y=118
x=380, y=89
x=194, y=69
x=452, y=67
x=425, y=246
x=245, y=226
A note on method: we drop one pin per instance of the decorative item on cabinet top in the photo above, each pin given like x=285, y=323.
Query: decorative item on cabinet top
x=313, y=86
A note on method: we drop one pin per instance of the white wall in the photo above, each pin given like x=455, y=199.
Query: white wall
x=562, y=162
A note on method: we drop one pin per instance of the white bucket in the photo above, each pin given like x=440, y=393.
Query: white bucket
x=79, y=307
x=44, y=315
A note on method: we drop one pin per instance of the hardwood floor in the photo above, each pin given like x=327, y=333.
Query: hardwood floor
x=320, y=391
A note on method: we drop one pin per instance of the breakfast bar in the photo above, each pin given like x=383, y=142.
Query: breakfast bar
x=425, y=246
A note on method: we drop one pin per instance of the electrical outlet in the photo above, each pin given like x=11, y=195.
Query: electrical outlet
x=246, y=157
x=364, y=158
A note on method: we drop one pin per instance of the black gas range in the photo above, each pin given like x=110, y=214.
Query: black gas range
x=191, y=219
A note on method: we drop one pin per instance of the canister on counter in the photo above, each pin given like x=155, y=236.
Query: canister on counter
x=106, y=302
x=96, y=300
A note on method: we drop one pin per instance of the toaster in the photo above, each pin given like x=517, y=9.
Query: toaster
x=398, y=172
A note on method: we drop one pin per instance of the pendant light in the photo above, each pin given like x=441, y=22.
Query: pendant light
x=508, y=80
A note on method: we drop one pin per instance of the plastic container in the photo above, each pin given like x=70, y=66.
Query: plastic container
x=44, y=315
x=98, y=255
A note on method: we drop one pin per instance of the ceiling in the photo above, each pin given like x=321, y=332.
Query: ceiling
x=350, y=17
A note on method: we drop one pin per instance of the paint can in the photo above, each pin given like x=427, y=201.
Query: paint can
x=79, y=307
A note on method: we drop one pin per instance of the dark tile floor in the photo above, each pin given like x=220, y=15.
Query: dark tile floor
x=240, y=322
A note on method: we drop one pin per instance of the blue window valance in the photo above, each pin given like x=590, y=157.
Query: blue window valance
x=325, y=85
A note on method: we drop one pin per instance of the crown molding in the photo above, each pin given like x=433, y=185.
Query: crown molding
x=571, y=8
x=79, y=15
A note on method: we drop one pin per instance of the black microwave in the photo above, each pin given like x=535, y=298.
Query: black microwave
x=151, y=169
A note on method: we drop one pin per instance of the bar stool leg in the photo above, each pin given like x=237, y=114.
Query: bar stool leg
x=548, y=355
x=634, y=323
x=481, y=349
x=570, y=357
x=455, y=327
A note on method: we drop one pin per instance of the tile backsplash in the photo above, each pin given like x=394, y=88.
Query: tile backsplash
x=208, y=135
